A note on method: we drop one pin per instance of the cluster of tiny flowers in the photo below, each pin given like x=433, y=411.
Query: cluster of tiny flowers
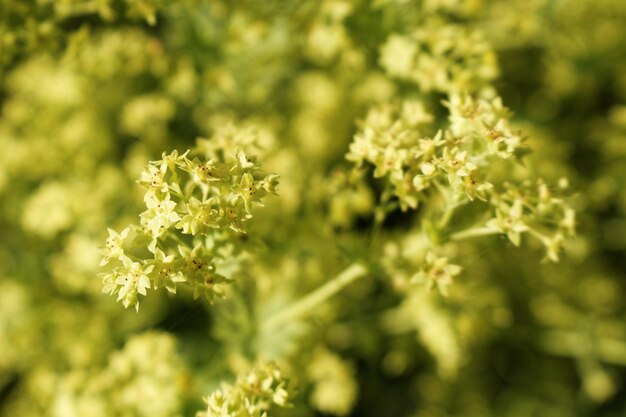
x=533, y=208
x=488, y=121
x=440, y=57
x=414, y=263
x=455, y=161
x=28, y=27
x=393, y=139
x=462, y=163
x=252, y=395
x=144, y=378
x=193, y=207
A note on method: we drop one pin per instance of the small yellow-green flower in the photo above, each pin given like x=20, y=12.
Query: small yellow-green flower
x=114, y=245
x=437, y=272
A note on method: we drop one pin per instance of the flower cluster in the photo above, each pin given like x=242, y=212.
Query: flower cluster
x=471, y=158
x=533, y=208
x=194, y=207
x=252, y=395
x=395, y=141
x=440, y=57
x=29, y=26
x=462, y=163
x=413, y=262
x=487, y=120
x=391, y=139
x=145, y=378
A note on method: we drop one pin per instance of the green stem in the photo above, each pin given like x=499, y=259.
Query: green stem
x=172, y=235
x=305, y=305
x=380, y=213
x=540, y=236
x=474, y=232
x=451, y=202
x=449, y=211
x=379, y=218
x=445, y=218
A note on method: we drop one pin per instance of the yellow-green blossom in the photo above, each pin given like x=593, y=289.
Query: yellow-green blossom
x=128, y=281
x=114, y=245
x=437, y=272
x=189, y=203
x=252, y=395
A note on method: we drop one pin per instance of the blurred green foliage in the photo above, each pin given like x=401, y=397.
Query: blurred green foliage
x=384, y=279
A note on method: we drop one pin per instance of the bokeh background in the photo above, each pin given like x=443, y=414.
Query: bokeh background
x=90, y=90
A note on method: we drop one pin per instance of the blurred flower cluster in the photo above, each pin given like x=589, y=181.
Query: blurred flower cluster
x=334, y=207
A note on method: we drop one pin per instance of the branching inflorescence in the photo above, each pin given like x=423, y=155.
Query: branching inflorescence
x=195, y=207
x=459, y=165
